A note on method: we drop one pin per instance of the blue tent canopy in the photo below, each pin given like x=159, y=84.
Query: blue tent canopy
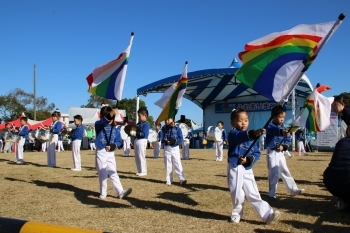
x=210, y=86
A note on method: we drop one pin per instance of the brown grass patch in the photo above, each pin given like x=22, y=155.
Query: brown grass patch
x=60, y=196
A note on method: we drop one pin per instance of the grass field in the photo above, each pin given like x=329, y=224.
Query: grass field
x=58, y=195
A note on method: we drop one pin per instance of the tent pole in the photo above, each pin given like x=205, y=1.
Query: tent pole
x=293, y=117
x=34, y=92
x=137, y=108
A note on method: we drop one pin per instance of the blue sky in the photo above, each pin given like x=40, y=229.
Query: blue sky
x=67, y=39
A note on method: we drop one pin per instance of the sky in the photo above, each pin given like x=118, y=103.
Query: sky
x=68, y=39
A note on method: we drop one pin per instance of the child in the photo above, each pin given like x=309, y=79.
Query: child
x=107, y=140
x=7, y=144
x=157, y=144
x=126, y=142
x=92, y=144
x=76, y=137
x=186, y=144
x=338, y=106
x=300, y=137
x=241, y=181
x=22, y=135
x=276, y=162
x=140, y=142
x=172, y=137
x=219, y=145
x=60, y=143
x=55, y=128
x=205, y=140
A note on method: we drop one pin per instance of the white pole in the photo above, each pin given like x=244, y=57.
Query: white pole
x=137, y=108
x=293, y=117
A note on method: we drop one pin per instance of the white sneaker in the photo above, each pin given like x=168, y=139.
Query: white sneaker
x=168, y=183
x=20, y=162
x=142, y=174
x=76, y=169
x=273, y=217
x=235, y=220
x=125, y=193
x=183, y=182
x=102, y=196
x=297, y=192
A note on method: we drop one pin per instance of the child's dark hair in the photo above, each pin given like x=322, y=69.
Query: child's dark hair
x=143, y=111
x=220, y=122
x=23, y=119
x=236, y=112
x=339, y=99
x=277, y=110
x=56, y=114
x=160, y=125
x=105, y=112
x=79, y=117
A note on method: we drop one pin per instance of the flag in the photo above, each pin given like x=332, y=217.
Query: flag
x=165, y=97
x=175, y=100
x=315, y=115
x=107, y=81
x=274, y=64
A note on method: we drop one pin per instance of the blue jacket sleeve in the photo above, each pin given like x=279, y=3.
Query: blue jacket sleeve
x=24, y=132
x=160, y=135
x=238, y=137
x=255, y=156
x=179, y=137
x=99, y=125
x=144, y=131
x=273, y=130
x=57, y=128
x=118, y=139
x=224, y=135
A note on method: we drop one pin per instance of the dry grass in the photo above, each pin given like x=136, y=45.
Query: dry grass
x=60, y=196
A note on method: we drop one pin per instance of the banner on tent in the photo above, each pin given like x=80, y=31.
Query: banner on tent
x=255, y=106
x=329, y=137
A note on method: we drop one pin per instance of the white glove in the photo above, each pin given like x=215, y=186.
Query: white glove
x=132, y=133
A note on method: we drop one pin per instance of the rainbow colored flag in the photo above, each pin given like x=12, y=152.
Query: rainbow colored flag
x=108, y=80
x=274, y=64
x=174, y=102
x=315, y=115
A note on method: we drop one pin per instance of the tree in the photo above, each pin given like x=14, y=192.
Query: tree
x=18, y=101
x=346, y=96
x=96, y=102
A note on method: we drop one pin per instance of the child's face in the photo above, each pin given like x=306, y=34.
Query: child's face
x=23, y=122
x=219, y=125
x=8, y=126
x=77, y=122
x=54, y=118
x=241, y=122
x=142, y=117
x=279, y=119
x=337, y=107
x=169, y=121
x=158, y=127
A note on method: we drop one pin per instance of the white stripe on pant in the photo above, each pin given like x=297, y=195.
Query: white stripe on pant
x=301, y=147
x=186, y=149
x=51, y=151
x=241, y=183
x=219, y=150
x=76, y=154
x=277, y=167
x=126, y=146
x=172, y=157
x=106, y=165
x=156, y=149
x=140, y=146
x=19, y=149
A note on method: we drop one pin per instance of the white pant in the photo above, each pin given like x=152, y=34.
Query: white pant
x=126, y=146
x=186, y=149
x=43, y=146
x=277, y=167
x=1, y=145
x=51, y=151
x=241, y=183
x=7, y=147
x=219, y=150
x=261, y=145
x=92, y=146
x=140, y=146
x=172, y=157
x=60, y=146
x=156, y=149
x=19, y=149
x=301, y=147
x=76, y=154
x=106, y=165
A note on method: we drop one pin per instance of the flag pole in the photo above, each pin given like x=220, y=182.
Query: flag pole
x=334, y=27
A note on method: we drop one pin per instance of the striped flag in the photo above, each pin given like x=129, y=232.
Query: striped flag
x=107, y=81
x=166, y=96
x=174, y=102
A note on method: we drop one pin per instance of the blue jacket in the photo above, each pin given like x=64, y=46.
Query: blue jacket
x=224, y=135
x=145, y=127
x=239, y=142
x=173, y=133
x=189, y=135
x=60, y=137
x=160, y=135
x=55, y=127
x=23, y=131
x=92, y=140
x=274, y=137
x=78, y=133
x=101, y=141
x=300, y=137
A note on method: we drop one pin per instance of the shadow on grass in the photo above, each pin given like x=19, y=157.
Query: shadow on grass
x=5, y=160
x=160, y=206
x=269, y=231
x=178, y=197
